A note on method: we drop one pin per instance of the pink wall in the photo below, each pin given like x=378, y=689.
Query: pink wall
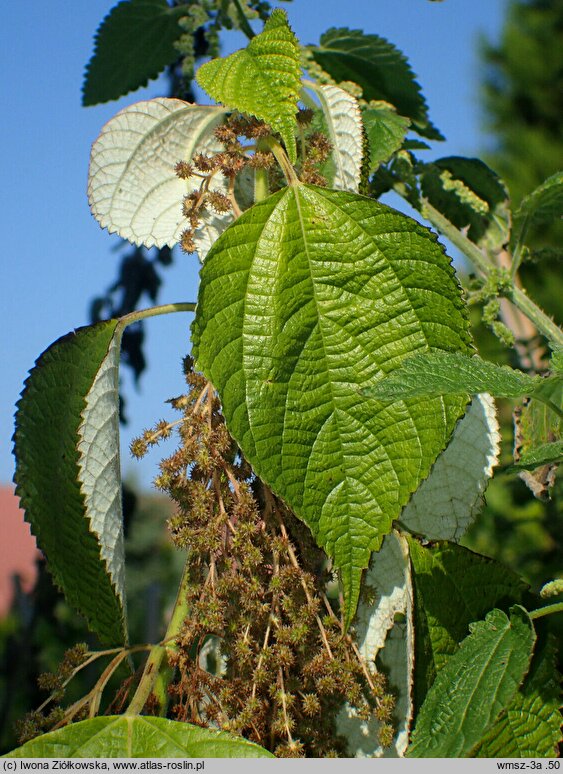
x=18, y=551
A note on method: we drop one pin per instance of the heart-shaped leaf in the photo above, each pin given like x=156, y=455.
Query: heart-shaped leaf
x=262, y=79
x=304, y=301
x=68, y=475
x=133, y=189
x=135, y=736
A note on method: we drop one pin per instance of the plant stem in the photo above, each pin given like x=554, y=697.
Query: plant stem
x=519, y=248
x=244, y=23
x=156, y=656
x=557, y=607
x=155, y=311
x=260, y=184
x=304, y=95
x=282, y=159
x=543, y=323
x=467, y=247
x=261, y=179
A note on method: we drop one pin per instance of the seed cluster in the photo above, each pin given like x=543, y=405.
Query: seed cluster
x=242, y=138
x=39, y=721
x=262, y=652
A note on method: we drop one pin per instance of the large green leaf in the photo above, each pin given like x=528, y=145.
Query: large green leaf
x=379, y=68
x=135, y=736
x=306, y=299
x=531, y=725
x=262, y=79
x=476, y=684
x=133, y=189
x=453, y=587
x=68, y=475
x=134, y=43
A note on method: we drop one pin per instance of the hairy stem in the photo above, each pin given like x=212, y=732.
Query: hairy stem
x=484, y=265
x=282, y=159
x=155, y=311
x=543, y=323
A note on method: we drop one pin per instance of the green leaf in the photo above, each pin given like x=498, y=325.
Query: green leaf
x=379, y=68
x=452, y=587
x=134, y=43
x=556, y=363
x=442, y=373
x=343, y=123
x=385, y=130
x=470, y=195
x=531, y=726
x=542, y=207
x=133, y=189
x=384, y=642
x=262, y=79
x=67, y=471
x=136, y=736
x=476, y=684
x=441, y=508
x=538, y=432
x=546, y=454
x=305, y=300
x=447, y=502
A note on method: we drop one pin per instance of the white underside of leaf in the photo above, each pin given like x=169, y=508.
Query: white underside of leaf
x=132, y=187
x=344, y=122
x=445, y=505
x=441, y=509
x=99, y=466
x=387, y=594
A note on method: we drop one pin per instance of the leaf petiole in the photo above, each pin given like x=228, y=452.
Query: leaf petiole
x=557, y=607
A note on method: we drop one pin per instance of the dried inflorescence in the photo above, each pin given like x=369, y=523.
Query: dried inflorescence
x=243, y=143
x=51, y=713
x=262, y=652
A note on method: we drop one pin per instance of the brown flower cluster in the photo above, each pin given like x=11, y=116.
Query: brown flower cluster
x=262, y=652
x=241, y=138
x=51, y=713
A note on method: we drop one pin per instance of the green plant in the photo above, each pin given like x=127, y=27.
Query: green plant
x=337, y=432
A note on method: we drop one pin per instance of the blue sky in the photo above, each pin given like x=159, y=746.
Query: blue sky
x=55, y=257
